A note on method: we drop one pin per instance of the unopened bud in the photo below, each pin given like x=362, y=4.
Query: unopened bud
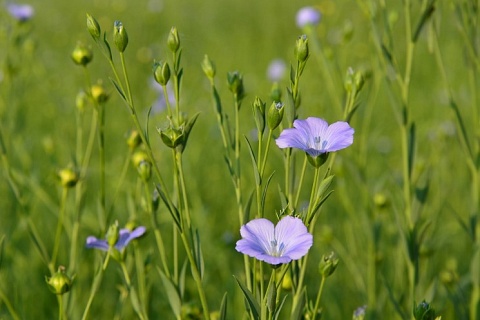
x=161, y=73
x=275, y=115
x=59, y=283
x=208, y=67
x=134, y=140
x=328, y=264
x=82, y=54
x=258, y=108
x=120, y=37
x=68, y=178
x=423, y=311
x=112, y=234
x=99, y=94
x=301, y=48
x=235, y=83
x=93, y=27
x=173, y=40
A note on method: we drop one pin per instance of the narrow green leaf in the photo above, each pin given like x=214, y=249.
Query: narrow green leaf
x=426, y=14
x=173, y=295
x=171, y=208
x=318, y=205
x=264, y=193
x=223, y=308
x=256, y=173
x=248, y=205
x=464, y=136
x=197, y=251
x=38, y=242
x=119, y=90
x=218, y=104
x=279, y=308
x=181, y=279
x=324, y=186
x=299, y=303
x=411, y=148
x=253, y=304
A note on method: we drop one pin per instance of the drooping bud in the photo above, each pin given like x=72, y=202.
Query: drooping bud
x=120, y=37
x=93, y=27
x=173, y=40
x=59, y=283
x=82, y=54
x=258, y=108
x=301, y=49
x=275, y=115
x=328, y=264
x=208, y=67
x=68, y=177
x=161, y=72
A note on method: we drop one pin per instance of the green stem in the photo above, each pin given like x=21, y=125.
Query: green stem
x=58, y=233
x=319, y=295
x=95, y=285
x=9, y=306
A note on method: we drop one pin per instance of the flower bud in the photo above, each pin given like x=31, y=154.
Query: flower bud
x=161, y=73
x=81, y=100
x=82, y=54
x=138, y=157
x=275, y=115
x=258, y=108
x=423, y=311
x=301, y=48
x=59, y=283
x=208, y=67
x=93, y=27
x=145, y=170
x=68, y=178
x=276, y=92
x=134, y=140
x=235, y=83
x=173, y=40
x=120, y=37
x=112, y=234
x=328, y=264
x=99, y=94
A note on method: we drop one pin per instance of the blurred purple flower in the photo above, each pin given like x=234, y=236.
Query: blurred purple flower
x=315, y=136
x=124, y=237
x=308, y=16
x=276, y=70
x=21, y=12
x=359, y=313
x=288, y=240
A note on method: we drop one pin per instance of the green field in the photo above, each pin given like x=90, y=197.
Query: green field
x=400, y=207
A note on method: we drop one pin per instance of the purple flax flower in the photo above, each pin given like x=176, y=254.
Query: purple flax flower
x=21, y=12
x=288, y=240
x=124, y=237
x=276, y=70
x=316, y=137
x=308, y=16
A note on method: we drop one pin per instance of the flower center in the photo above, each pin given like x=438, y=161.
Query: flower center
x=319, y=144
x=276, y=250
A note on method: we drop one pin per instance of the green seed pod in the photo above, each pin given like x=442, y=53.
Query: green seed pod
x=82, y=54
x=68, y=178
x=59, y=283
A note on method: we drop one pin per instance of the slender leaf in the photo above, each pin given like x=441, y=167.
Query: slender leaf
x=223, y=308
x=258, y=179
x=297, y=312
x=119, y=90
x=264, y=194
x=254, y=306
x=173, y=295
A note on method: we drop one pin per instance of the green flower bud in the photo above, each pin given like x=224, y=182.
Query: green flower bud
x=328, y=264
x=120, y=37
x=276, y=92
x=81, y=100
x=145, y=170
x=258, y=108
x=275, y=115
x=171, y=137
x=59, y=283
x=423, y=311
x=134, y=140
x=99, y=94
x=138, y=157
x=68, y=178
x=173, y=40
x=112, y=234
x=348, y=83
x=161, y=73
x=208, y=67
x=235, y=83
x=358, y=80
x=93, y=27
x=82, y=54
x=301, y=49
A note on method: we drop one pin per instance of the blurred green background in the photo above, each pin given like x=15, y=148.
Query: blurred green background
x=39, y=126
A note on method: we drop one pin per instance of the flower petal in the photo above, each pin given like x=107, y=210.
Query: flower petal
x=93, y=242
x=339, y=136
x=257, y=236
x=294, y=235
x=125, y=236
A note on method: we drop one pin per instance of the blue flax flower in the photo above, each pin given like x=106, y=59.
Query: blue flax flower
x=124, y=237
x=316, y=137
x=21, y=12
x=288, y=240
x=308, y=16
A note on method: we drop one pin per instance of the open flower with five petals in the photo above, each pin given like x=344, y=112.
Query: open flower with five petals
x=288, y=240
x=124, y=238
